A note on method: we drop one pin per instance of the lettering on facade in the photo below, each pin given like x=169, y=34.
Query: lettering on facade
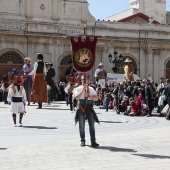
x=69, y=31
x=12, y=27
x=22, y=28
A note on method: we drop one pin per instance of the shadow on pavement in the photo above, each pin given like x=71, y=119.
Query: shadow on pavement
x=39, y=127
x=153, y=156
x=115, y=149
x=3, y=148
x=48, y=108
x=110, y=121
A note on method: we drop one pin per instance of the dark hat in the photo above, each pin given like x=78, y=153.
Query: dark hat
x=5, y=78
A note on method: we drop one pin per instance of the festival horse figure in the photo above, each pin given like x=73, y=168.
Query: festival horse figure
x=17, y=95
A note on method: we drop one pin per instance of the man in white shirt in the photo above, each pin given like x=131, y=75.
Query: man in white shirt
x=86, y=96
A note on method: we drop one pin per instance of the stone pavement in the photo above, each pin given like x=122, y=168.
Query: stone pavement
x=49, y=140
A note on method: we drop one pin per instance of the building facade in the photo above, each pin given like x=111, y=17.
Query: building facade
x=28, y=27
x=152, y=8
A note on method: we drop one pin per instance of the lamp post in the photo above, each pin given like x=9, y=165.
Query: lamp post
x=117, y=59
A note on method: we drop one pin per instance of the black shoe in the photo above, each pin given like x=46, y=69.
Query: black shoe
x=82, y=143
x=39, y=107
x=94, y=145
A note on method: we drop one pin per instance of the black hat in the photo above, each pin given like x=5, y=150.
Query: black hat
x=5, y=78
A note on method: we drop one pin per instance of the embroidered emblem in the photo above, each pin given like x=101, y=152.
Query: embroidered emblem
x=83, y=57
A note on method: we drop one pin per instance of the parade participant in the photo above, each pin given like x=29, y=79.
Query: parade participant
x=5, y=88
x=69, y=89
x=27, y=68
x=50, y=80
x=70, y=69
x=39, y=87
x=17, y=95
x=86, y=96
x=129, y=70
x=101, y=75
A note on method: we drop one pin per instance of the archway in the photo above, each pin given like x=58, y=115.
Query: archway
x=8, y=61
x=120, y=65
x=167, y=70
x=63, y=66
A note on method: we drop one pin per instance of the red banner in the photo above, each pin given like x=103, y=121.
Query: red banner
x=83, y=53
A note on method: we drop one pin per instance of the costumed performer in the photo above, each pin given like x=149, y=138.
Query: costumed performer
x=39, y=87
x=49, y=78
x=129, y=70
x=70, y=69
x=17, y=95
x=101, y=75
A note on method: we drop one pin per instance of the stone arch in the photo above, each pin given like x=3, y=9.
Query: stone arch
x=14, y=52
x=64, y=56
x=65, y=60
x=63, y=64
x=10, y=58
x=122, y=64
x=167, y=68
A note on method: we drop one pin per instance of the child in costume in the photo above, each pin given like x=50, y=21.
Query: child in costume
x=17, y=95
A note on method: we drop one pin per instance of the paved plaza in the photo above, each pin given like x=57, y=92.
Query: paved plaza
x=49, y=140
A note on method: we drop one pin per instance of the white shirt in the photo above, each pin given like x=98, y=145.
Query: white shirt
x=35, y=68
x=79, y=89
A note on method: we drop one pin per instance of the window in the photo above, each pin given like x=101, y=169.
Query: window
x=12, y=57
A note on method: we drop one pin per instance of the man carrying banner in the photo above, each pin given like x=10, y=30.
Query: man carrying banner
x=86, y=96
x=83, y=60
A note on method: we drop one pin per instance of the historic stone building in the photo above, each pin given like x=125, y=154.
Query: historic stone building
x=152, y=8
x=45, y=26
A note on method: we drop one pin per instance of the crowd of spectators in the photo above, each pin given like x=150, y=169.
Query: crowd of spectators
x=138, y=98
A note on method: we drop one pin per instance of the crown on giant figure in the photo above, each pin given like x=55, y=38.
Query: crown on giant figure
x=16, y=71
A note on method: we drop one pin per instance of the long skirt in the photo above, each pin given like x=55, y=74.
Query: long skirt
x=39, y=89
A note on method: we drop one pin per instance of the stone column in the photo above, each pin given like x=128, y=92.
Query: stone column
x=28, y=7
x=55, y=9
x=149, y=63
x=158, y=66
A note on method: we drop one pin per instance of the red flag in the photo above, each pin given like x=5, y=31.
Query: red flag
x=84, y=53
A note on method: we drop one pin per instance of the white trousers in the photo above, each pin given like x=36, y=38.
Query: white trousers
x=102, y=82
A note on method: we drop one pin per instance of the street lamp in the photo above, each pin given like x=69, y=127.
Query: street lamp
x=117, y=59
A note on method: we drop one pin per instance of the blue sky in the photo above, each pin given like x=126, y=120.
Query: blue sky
x=101, y=9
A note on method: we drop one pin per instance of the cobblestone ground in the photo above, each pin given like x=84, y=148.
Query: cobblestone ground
x=49, y=140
